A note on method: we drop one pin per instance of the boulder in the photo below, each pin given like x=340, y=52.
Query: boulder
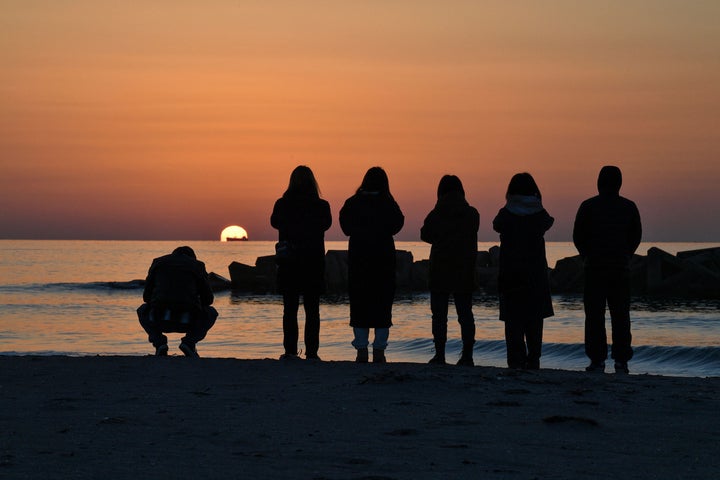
x=421, y=276
x=568, y=276
x=336, y=272
x=218, y=283
x=682, y=276
x=403, y=270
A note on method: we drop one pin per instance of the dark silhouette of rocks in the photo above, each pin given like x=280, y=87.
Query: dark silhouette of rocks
x=693, y=273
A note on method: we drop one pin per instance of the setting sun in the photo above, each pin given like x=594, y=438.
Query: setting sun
x=233, y=232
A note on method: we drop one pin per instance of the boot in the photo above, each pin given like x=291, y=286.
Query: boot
x=379, y=356
x=439, y=358
x=362, y=355
x=466, y=359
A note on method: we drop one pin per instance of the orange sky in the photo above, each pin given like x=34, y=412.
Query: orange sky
x=173, y=119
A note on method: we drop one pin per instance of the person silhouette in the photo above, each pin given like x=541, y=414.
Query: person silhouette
x=606, y=233
x=370, y=218
x=177, y=298
x=451, y=228
x=301, y=218
x=523, y=282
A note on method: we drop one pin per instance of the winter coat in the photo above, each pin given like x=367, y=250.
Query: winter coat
x=370, y=220
x=177, y=281
x=451, y=228
x=302, y=221
x=607, y=231
x=523, y=282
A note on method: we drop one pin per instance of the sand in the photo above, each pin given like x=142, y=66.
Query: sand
x=174, y=417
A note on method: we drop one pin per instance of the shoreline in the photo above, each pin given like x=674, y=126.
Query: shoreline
x=136, y=416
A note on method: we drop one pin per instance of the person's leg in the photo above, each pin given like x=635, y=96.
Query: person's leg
x=439, y=309
x=361, y=342
x=291, y=303
x=151, y=327
x=380, y=344
x=311, y=304
x=619, y=306
x=515, y=343
x=463, y=307
x=201, y=323
x=533, y=336
x=594, y=300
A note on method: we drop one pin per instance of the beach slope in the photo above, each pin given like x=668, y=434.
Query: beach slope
x=174, y=417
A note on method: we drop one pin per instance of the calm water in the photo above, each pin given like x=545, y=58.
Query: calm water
x=57, y=297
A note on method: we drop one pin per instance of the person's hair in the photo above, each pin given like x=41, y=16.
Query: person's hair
x=523, y=184
x=375, y=180
x=185, y=250
x=450, y=184
x=302, y=182
x=609, y=179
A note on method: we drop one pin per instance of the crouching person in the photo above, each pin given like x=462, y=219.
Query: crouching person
x=177, y=298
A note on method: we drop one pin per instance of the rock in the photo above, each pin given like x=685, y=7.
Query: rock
x=421, y=276
x=218, y=283
x=242, y=277
x=336, y=271
x=403, y=270
x=266, y=274
x=681, y=276
x=568, y=276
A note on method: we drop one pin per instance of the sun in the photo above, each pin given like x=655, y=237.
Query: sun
x=233, y=232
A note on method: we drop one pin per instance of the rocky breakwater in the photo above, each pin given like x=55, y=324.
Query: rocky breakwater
x=694, y=273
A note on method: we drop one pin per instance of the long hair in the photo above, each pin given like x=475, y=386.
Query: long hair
x=450, y=184
x=375, y=180
x=302, y=182
x=523, y=184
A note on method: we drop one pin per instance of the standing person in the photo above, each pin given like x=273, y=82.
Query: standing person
x=523, y=277
x=451, y=228
x=607, y=232
x=301, y=218
x=370, y=218
x=177, y=298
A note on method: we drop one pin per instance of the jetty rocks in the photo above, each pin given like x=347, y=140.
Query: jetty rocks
x=694, y=273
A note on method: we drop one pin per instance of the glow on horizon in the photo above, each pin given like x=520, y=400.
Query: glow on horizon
x=169, y=120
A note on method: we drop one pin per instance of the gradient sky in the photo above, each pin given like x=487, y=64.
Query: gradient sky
x=171, y=119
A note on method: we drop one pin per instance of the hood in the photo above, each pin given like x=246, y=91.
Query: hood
x=524, y=205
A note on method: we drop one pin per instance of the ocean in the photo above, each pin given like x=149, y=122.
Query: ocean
x=72, y=298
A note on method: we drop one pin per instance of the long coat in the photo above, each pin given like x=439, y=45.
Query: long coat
x=302, y=221
x=370, y=220
x=523, y=281
x=451, y=228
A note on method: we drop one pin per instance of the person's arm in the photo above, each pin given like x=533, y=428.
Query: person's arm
x=427, y=231
x=204, y=290
x=277, y=218
x=635, y=234
x=149, y=284
x=580, y=230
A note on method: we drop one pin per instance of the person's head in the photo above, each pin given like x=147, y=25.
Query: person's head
x=185, y=250
x=375, y=180
x=302, y=182
x=609, y=179
x=450, y=184
x=523, y=184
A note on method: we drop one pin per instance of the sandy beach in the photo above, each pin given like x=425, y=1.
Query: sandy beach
x=147, y=417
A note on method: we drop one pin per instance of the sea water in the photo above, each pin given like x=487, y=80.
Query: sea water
x=73, y=298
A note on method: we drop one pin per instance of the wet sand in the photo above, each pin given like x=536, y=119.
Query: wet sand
x=174, y=417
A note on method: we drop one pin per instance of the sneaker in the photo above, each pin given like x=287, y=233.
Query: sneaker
x=161, y=350
x=313, y=357
x=621, y=367
x=465, y=361
x=362, y=355
x=437, y=360
x=379, y=356
x=598, y=367
x=189, y=350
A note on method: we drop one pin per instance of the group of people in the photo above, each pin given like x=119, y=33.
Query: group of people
x=606, y=232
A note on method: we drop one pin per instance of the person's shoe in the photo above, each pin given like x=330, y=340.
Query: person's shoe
x=161, y=350
x=189, y=350
x=465, y=360
x=362, y=355
x=313, y=357
x=621, y=367
x=438, y=360
x=597, y=367
x=379, y=356
x=291, y=357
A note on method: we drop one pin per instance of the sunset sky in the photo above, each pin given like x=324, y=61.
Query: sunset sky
x=171, y=119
